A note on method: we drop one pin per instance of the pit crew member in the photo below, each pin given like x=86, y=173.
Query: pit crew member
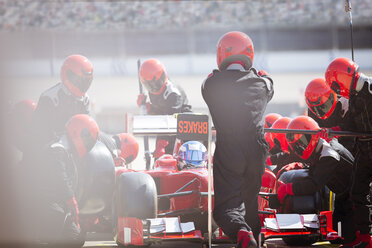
x=237, y=97
x=328, y=110
x=59, y=103
x=54, y=180
x=123, y=147
x=330, y=164
x=166, y=98
x=344, y=77
x=281, y=154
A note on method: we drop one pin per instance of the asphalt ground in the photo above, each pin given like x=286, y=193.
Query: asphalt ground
x=105, y=240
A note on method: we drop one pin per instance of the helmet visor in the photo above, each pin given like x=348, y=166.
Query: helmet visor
x=80, y=82
x=322, y=109
x=154, y=85
x=88, y=140
x=299, y=146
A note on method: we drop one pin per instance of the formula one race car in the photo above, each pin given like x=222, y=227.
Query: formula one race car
x=169, y=203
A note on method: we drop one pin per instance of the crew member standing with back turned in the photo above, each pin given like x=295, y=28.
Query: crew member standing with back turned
x=237, y=97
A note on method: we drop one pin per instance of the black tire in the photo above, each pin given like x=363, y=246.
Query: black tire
x=300, y=240
x=137, y=196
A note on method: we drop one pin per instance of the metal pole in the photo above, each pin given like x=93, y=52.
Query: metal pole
x=348, y=10
x=209, y=181
x=144, y=112
x=330, y=132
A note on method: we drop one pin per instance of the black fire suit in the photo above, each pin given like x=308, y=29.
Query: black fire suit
x=360, y=108
x=339, y=117
x=172, y=100
x=237, y=100
x=53, y=176
x=331, y=165
x=54, y=108
x=281, y=159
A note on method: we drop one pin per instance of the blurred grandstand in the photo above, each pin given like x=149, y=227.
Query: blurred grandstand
x=16, y=15
x=294, y=41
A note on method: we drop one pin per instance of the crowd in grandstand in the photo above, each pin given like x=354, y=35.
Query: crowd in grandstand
x=125, y=15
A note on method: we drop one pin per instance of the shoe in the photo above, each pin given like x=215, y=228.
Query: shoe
x=246, y=240
x=362, y=241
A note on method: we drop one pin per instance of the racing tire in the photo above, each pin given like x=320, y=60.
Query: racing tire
x=137, y=196
x=300, y=240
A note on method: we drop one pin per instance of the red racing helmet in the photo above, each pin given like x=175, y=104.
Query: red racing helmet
x=303, y=144
x=77, y=74
x=279, y=138
x=83, y=132
x=128, y=146
x=153, y=76
x=341, y=75
x=232, y=47
x=320, y=99
x=270, y=119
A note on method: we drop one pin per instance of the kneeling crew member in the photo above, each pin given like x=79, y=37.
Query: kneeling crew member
x=329, y=165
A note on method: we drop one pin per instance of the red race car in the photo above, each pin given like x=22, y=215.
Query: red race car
x=166, y=192
x=169, y=202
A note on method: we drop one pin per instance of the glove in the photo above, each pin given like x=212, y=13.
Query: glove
x=141, y=100
x=283, y=190
x=288, y=167
x=262, y=73
x=324, y=134
x=148, y=107
x=160, y=148
x=268, y=161
x=73, y=208
x=293, y=166
x=119, y=161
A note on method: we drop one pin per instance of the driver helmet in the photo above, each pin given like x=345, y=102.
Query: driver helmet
x=192, y=154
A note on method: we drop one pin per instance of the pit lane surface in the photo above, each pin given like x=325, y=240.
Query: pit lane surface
x=105, y=240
